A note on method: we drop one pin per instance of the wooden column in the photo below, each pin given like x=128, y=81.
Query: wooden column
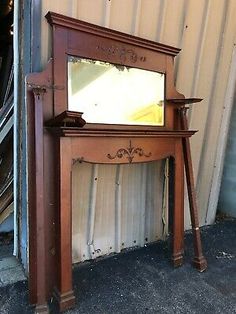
x=199, y=260
x=178, y=215
x=41, y=302
x=64, y=292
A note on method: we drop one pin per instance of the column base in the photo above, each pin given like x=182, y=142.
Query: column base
x=41, y=309
x=64, y=301
x=200, y=263
x=177, y=260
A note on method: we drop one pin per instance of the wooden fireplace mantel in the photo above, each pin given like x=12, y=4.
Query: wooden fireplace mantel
x=57, y=138
x=112, y=149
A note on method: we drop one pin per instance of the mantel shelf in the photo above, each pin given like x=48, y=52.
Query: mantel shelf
x=184, y=101
x=67, y=118
x=81, y=132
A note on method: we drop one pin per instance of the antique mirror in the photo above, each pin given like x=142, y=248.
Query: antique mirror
x=115, y=94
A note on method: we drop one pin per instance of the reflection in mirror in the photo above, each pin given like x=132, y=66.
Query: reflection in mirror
x=115, y=94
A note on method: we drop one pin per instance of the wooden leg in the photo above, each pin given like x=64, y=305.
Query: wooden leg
x=64, y=292
x=199, y=260
x=178, y=215
x=41, y=309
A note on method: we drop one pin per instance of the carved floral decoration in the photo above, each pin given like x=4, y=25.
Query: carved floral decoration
x=122, y=52
x=129, y=153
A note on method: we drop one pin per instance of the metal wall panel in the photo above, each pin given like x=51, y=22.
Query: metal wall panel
x=117, y=208
x=227, y=189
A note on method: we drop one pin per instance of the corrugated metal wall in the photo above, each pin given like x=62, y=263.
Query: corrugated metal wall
x=111, y=212
x=116, y=207
x=227, y=200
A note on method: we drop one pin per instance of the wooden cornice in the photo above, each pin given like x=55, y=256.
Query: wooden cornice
x=68, y=22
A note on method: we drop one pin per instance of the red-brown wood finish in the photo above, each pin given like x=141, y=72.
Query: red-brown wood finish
x=83, y=148
x=55, y=148
x=40, y=298
x=178, y=213
x=78, y=38
x=42, y=217
x=199, y=260
x=41, y=305
x=63, y=289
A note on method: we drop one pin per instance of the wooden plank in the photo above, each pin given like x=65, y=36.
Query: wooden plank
x=6, y=213
x=6, y=129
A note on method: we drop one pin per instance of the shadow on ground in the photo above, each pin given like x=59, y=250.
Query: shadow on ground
x=144, y=281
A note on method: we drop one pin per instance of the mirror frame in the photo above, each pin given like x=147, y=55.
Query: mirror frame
x=72, y=37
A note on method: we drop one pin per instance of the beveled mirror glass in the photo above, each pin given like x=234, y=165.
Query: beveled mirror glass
x=115, y=94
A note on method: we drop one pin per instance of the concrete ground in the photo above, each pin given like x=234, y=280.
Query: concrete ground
x=144, y=281
x=11, y=270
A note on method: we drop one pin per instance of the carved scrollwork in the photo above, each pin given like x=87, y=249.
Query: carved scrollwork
x=129, y=153
x=80, y=160
x=122, y=52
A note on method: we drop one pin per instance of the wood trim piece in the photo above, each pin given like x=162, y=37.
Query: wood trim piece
x=72, y=23
x=67, y=118
x=75, y=132
x=39, y=82
x=199, y=260
x=184, y=101
x=178, y=214
x=63, y=291
x=41, y=299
